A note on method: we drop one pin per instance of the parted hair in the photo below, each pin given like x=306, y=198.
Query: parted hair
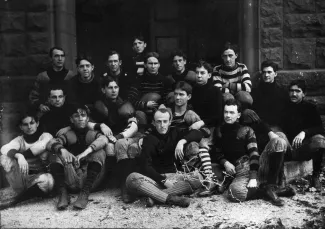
x=269, y=63
x=234, y=102
x=184, y=86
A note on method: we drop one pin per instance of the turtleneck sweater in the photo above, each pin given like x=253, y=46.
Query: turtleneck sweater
x=158, y=152
x=236, y=142
x=207, y=103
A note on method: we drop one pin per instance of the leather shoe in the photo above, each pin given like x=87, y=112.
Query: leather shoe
x=272, y=196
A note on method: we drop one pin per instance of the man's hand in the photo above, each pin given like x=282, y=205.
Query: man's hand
x=169, y=183
x=105, y=130
x=252, y=183
x=112, y=139
x=230, y=168
x=152, y=104
x=23, y=164
x=44, y=108
x=179, y=149
x=79, y=157
x=297, y=141
x=197, y=125
x=63, y=130
x=67, y=156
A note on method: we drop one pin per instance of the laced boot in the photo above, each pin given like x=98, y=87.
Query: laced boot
x=178, y=201
x=126, y=197
x=315, y=182
x=272, y=196
x=211, y=182
x=286, y=191
x=64, y=199
x=150, y=202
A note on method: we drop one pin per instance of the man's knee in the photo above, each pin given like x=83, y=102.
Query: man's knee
x=110, y=149
x=98, y=157
x=134, y=180
x=276, y=145
x=7, y=162
x=318, y=141
x=121, y=148
x=45, y=182
x=191, y=117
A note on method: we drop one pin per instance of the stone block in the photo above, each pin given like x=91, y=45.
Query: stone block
x=315, y=80
x=36, y=64
x=271, y=3
x=274, y=54
x=38, y=43
x=14, y=44
x=296, y=169
x=299, y=6
x=271, y=37
x=320, y=6
x=271, y=16
x=299, y=53
x=9, y=86
x=38, y=21
x=304, y=25
x=12, y=21
x=320, y=53
x=14, y=5
x=38, y=5
x=319, y=101
x=15, y=66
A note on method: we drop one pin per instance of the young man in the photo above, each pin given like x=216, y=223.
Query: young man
x=25, y=158
x=232, y=77
x=115, y=70
x=119, y=116
x=180, y=72
x=304, y=130
x=152, y=88
x=84, y=88
x=138, y=46
x=78, y=163
x=159, y=162
x=56, y=74
x=58, y=115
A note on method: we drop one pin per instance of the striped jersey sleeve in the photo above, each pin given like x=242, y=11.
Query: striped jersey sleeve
x=252, y=151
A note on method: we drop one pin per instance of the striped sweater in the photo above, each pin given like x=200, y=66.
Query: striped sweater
x=233, y=79
x=149, y=84
x=236, y=142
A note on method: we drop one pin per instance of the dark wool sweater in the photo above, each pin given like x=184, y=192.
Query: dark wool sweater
x=186, y=76
x=149, y=83
x=124, y=81
x=158, y=152
x=207, y=103
x=301, y=117
x=236, y=142
x=55, y=119
x=269, y=102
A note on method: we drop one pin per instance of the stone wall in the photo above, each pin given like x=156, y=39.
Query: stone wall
x=293, y=33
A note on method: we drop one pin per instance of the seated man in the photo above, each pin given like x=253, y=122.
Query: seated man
x=304, y=130
x=240, y=158
x=232, y=77
x=159, y=162
x=180, y=72
x=58, y=115
x=119, y=116
x=79, y=160
x=56, y=74
x=25, y=158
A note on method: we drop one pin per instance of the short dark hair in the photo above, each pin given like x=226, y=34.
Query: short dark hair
x=204, y=64
x=229, y=45
x=184, y=86
x=107, y=80
x=139, y=37
x=84, y=56
x=113, y=52
x=151, y=54
x=299, y=83
x=73, y=108
x=269, y=63
x=28, y=112
x=164, y=110
x=52, y=49
x=179, y=53
x=54, y=87
x=234, y=102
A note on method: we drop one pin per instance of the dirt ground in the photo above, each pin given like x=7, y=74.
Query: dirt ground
x=106, y=210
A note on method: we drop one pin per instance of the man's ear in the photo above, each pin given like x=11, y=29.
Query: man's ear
x=239, y=114
x=209, y=75
x=275, y=74
x=103, y=90
x=189, y=96
x=120, y=62
x=145, y=45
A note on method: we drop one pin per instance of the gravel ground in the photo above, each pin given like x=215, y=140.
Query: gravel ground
x=106, y=210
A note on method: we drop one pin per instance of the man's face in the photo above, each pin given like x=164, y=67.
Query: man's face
x=296, y=94
x=114, y=64
x=139, y=46
x=179, y=63
x=231, y=114
x=79, y=119
x=58, y=58
x=181, y=97
x=28, y=125
x=111, y=90
x=152, y=65
x=162, y=122
x=85, y=69
x=202, y=76
x=229, y=57
x=268, y=74
x=56, y=98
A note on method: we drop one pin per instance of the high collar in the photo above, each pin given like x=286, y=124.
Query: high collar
x=34, y=137
x=81, y=80
x=230, y=127
x=229, y=68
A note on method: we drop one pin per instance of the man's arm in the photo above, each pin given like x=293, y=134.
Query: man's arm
x=252, y=151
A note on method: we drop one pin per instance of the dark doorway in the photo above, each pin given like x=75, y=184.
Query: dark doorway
x=199, y=27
